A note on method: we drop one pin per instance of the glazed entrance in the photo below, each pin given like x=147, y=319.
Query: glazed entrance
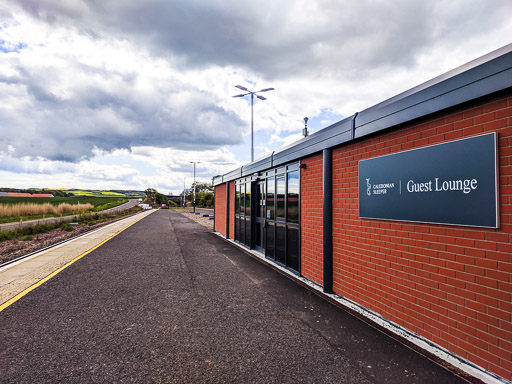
x=267, y=213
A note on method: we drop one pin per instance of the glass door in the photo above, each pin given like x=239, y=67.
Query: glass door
x=270, y=218
x=260, y=216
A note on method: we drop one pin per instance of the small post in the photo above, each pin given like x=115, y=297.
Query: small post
x=252, y=127
x=194, y=187
x=305, y=129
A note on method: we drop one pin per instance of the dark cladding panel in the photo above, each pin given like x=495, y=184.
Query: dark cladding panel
x=242, y=229
x=248, y=231
x=269, y=240
x=292, y=248
x=237, y=228
x=257, y=240
x=280, y=243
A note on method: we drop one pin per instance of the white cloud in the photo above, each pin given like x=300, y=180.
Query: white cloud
x=70, y=93
x=128, y=93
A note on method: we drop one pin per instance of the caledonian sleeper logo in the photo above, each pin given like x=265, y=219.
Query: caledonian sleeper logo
x=379, y=189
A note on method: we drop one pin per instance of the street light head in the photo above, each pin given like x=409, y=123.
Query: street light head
x=252, y=93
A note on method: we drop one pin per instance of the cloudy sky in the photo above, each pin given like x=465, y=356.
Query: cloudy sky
x=118, y=94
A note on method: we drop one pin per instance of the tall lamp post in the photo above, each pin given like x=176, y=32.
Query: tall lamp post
x=194, y=162
x=252, y=93
x=184, y=192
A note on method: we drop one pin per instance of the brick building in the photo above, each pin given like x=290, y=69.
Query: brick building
x=437, y=273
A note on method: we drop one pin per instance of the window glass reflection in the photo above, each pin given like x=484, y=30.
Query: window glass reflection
x=248, y=199
x=293, y=197
x=237, y=199
x=270, y=198
x=280, y=196
x=242, y=199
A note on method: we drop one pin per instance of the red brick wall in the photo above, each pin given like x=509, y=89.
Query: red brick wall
x=452, y=285
x=231, y=210
x=220, y=209
x=311, y=216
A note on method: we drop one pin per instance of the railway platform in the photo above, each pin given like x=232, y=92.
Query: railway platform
x=26, y=273
x=167, y=301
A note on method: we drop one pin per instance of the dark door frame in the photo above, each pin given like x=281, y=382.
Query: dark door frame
x=259, y=215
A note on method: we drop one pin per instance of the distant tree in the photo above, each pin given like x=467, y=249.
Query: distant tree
x=204, y=187
x=173, y=203
x=150, y=194
x=208, y=201
x=204, y=195
x=204, y=199
x=60, y=193
x=160, y=198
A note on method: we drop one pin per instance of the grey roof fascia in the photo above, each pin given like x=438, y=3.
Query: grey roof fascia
x=232, y=175
x=235, y=174
x=217, y=180
x=257, y=166
x=488, y=74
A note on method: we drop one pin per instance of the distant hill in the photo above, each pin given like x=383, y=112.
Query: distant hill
x=100, y=193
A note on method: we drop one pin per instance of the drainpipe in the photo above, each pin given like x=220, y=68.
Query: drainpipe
x=327, y=219
x=214, y=206
x=227, y=210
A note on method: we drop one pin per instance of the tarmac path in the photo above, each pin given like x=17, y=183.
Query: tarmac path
x=167, y=301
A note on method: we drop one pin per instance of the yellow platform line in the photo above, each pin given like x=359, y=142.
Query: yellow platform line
x=44, y=280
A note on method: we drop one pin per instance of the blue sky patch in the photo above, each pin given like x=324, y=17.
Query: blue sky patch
x=7, y=48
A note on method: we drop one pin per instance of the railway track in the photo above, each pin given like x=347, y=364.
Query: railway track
x=46, y=248
x=85, y=232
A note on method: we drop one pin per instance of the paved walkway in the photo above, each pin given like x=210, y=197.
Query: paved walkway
x=167, y=301
x=18, y=276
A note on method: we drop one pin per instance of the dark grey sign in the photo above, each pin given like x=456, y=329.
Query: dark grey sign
x=452, y=183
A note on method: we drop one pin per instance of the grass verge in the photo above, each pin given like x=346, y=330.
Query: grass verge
x=97, y=203
x=86, y=219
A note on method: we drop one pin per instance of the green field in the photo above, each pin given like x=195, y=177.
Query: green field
x=81, y=192
x=99, y=203
x=98, y=193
